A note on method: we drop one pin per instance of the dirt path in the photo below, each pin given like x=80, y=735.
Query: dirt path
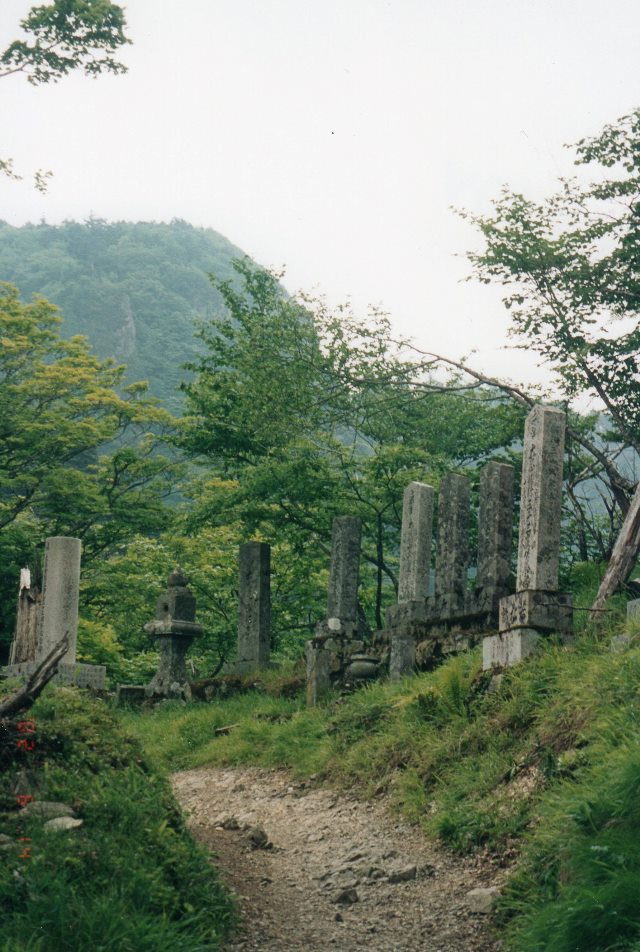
x=341, y=874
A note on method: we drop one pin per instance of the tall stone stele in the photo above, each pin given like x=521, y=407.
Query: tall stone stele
x=537, y=608
x=254, y=607
x=174, y=627
x=337, y=638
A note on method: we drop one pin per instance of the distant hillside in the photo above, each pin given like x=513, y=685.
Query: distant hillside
x=135, y=289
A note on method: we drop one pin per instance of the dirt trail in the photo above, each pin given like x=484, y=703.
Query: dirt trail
x=340, y=873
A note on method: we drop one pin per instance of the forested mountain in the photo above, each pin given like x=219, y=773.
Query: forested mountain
x=134, y=289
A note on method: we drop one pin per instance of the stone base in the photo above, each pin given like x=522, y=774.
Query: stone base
x=543, y=611
x=443, y=624
x=508, y=648
x=130, y=694
x=92, y=676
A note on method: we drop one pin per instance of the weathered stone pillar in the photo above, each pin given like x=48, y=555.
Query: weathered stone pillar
x=254, y=607
x=541, y=500
x=175, y=628
x=452, y=555
x=415, y=570
x=537, y=607
x=495, y=527
x=344, y=574
x=336, y=639
x=415, y=542
x=60, y=595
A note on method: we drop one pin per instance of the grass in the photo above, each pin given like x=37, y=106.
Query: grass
x=131, y=879
x=546, y=768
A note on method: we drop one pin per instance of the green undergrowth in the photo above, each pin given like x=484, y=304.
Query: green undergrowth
x=546, y=768
x=131, y=879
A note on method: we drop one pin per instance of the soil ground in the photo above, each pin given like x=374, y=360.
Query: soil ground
x=317, y=870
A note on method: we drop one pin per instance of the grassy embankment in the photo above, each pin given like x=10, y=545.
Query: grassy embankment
x=130, y=879
x=546, y=770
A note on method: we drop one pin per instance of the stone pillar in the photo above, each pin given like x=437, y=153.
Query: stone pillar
x=60, y=595
x=344, y=574
x=541, y=500
x=254, y=607
x=174, y=628
x=452, y=556
x=495, y=527
x=415, y=542
x=537, y=608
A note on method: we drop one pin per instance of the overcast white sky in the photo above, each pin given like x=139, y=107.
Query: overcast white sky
x=332, y=136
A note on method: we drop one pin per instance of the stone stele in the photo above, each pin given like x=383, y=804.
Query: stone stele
x=415, y=542
x=254, y=607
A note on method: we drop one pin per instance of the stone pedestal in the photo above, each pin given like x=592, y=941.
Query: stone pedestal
x=537, y=608
x=402, y=659
x=174, y=628
x=254, y=607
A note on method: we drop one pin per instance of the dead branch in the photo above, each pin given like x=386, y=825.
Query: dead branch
x=22, y=699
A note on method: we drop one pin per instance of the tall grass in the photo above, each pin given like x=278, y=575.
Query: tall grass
x=131, y=879
x=546, y=767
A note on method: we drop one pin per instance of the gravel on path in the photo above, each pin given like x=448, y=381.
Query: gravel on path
x=314, y=869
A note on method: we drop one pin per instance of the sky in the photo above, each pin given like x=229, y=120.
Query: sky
x=333, y=137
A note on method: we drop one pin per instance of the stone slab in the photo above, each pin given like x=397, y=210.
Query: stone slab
x=130, y=694
x=509, y=648
x=633, y=608
x=543, y=611
x=402, y=659
x=318, y=673
x=92, y=676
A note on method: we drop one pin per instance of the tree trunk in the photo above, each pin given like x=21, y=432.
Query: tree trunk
x=624, y=555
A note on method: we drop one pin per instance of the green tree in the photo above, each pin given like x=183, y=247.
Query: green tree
x=571, y=266
x=76, y=458
x=312, y=413
x=61, y=37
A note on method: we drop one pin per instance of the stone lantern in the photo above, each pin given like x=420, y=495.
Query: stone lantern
x=174, y=628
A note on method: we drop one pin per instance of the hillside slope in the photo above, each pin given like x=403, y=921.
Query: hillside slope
x=135, y=290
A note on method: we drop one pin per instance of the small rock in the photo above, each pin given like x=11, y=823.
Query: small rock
x=63, y=823
x=231, y=823
x=481, y=899
x=47, y=808
x=258, y=838
x=402, y=875
x=346, y=897
x=338, y=917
